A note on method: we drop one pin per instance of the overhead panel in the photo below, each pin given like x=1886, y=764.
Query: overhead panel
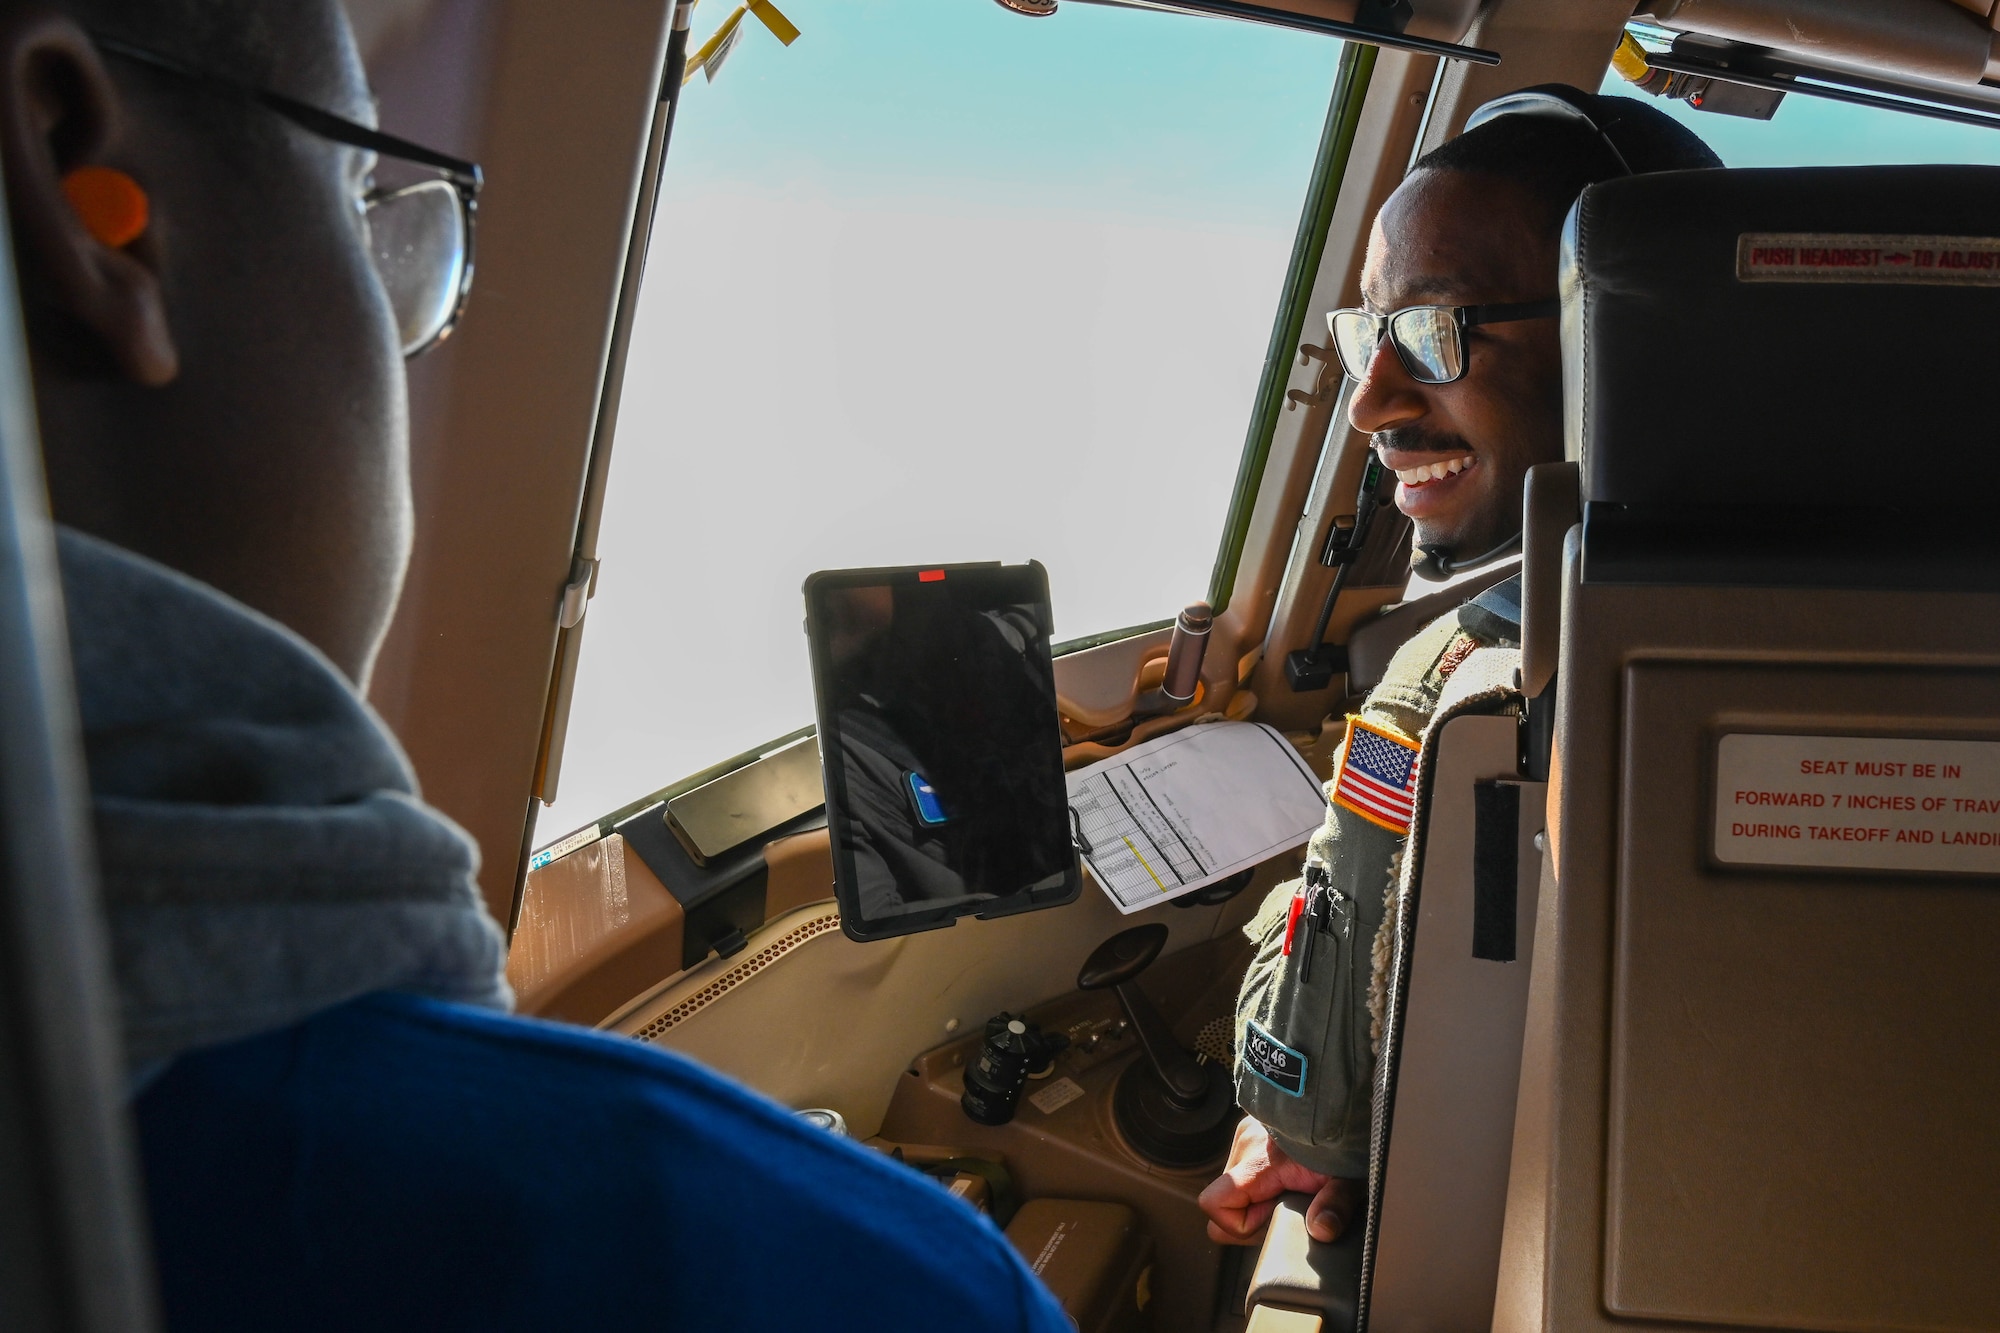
x=1429, y=29
x=1924, y=39
x=1935, y=58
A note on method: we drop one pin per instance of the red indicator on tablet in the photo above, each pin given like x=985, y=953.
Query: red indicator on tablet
x=930, y=576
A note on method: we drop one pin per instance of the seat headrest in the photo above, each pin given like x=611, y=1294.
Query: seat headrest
x=1776, y=346
x=1785, y=337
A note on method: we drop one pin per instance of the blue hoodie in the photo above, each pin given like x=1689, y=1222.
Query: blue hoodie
x=340, y=1125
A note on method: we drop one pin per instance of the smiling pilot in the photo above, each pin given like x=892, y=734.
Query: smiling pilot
x=1458, y=379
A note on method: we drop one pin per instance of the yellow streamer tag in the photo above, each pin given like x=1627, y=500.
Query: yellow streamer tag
x=716, y=48
x=1630, y=60
x=730, y=41
x=780, y=26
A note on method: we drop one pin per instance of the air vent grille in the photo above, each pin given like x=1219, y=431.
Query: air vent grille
x=1213, y=1042
x=693, y=1004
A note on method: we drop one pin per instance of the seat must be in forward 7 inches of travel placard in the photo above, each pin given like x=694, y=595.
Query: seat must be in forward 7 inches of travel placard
x=1858, y=803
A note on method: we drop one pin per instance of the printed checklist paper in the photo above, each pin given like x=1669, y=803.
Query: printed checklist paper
x=1184, y=810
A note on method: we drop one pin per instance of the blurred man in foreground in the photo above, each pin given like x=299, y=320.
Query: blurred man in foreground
x=341, y=1126
x=1458, y=379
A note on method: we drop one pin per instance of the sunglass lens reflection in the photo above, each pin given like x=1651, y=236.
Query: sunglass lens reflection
x=1427, y=336
x=1354, y=337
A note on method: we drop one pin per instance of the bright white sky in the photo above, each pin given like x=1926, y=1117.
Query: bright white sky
x=940, y=283
x=935, y=283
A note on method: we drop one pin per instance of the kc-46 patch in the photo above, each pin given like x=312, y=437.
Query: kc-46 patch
x=1273, y=1061
x=1378, y=776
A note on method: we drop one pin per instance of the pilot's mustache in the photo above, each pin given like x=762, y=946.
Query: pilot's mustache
x=1418, y=440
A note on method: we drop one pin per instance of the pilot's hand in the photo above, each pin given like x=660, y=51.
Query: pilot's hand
x=1241, y=1200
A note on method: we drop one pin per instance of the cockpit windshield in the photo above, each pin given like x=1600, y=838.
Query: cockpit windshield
x=935, y=283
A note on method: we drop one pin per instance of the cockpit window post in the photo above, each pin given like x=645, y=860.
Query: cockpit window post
x=1336, y=145
x=574, y=606
x=69, y=1191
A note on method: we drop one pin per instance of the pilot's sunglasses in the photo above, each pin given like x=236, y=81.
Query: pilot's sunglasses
x=420, y=236
x=1429, y=339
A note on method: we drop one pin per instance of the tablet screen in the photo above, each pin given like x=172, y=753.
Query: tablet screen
x=940, y=744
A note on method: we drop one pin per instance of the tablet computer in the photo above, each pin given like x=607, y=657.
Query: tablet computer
x=940, y=745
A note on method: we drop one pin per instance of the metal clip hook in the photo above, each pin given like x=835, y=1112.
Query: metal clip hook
x=1076, y=837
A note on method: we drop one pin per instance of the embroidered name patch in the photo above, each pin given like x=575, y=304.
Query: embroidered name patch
x=1273, y=1061
x=1378, y=776
x=1930, y=261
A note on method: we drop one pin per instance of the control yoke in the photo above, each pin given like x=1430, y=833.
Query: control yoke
x=1173, y=1108
x=1115, y=965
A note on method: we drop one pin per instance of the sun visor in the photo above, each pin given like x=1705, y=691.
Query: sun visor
x=1780, y=354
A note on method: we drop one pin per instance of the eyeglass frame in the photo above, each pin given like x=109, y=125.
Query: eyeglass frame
x=1524, y=103
x=1463, y=317
x=464, y=177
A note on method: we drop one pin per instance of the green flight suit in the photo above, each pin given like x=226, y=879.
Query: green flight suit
x=1307, y=1022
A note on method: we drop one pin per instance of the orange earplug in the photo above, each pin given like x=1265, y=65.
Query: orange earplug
x=112, y=205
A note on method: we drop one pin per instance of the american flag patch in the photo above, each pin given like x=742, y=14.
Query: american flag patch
x=1378, y=776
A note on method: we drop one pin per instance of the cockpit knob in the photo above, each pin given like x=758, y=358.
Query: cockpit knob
x=994, y=1081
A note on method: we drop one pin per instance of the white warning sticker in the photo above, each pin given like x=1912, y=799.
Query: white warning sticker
x=1056, y=1096
x=1928, y=261
x=1858, y=802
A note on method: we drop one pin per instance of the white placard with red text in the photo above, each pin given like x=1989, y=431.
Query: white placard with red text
x=1858, y=803
x=1904, y=261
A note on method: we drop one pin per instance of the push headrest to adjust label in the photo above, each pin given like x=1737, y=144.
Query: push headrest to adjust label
x=1807, y=256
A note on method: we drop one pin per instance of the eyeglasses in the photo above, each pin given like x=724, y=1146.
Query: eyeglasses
x=420, y=236
x=1429, y=339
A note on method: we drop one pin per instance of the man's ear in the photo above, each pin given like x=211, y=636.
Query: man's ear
x=60, y=110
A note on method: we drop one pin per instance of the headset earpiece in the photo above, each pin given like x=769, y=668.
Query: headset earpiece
x=112, y=206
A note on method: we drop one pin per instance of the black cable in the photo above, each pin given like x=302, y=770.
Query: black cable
x=1436, y=562
x=1312, y=667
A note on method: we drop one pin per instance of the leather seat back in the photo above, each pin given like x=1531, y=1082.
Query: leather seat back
x=1763, y=1032
x=1447, y=1075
